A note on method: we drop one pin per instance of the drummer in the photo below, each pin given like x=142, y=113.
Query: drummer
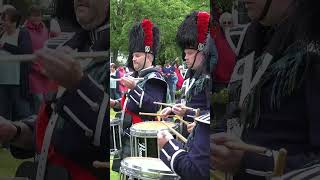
x=143, y=48
x=280, y=109
x=191, y=39
x=70, y=131
x=193, y=162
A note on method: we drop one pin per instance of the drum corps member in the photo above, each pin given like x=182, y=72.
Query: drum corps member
x=274, y=92
x=70, y=131
x=193, y=162
x=144, y=40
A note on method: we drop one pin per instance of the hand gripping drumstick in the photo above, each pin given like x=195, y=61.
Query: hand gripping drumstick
x=98, y=164
x=32, y=57
x=183, y=139
x=180, y=119
x=280, y=161
x=171, y=105
x=154, y=114
x=248, y=148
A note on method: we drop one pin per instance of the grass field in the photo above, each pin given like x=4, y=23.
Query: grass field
x=8, y=164
x=113, y=175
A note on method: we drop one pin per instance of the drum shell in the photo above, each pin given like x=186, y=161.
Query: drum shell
x=130, y=168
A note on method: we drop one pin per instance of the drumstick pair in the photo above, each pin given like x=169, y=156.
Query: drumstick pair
x=281, y=159
x=169, y=127
x=32, y=57
x=171, y=105
x=154, y=114
x=161, y=115
x=137, y=79
x=183, y=139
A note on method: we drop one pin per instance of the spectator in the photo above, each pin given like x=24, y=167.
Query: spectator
x=122, y=72
x=226, y=21
x=171, y=78
x=179, y=76
x=114, y=94
x=14, y=76
x=55, y=29
x=40, y=85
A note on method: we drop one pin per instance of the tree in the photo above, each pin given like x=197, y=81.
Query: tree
x=225, y=5
x=167, y=15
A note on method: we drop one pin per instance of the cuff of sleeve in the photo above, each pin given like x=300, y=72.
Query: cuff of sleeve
x=189, y=113
x=251, y=163
x=170, y=151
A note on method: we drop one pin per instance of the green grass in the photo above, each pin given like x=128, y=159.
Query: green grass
x=113, y=175
x=8, y=164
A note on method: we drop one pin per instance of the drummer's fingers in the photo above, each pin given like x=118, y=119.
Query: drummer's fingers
x=222, y=138
x=220, y=151
x=159, y=135
x=176, y=110
x=66, y=49
x=166, y=111
x=50, y=61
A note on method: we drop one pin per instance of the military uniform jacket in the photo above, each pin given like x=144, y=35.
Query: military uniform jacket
x=80, y=135
x=153, y=88
x=191, y=162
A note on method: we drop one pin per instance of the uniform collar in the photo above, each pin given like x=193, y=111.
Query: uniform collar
x=95, y=34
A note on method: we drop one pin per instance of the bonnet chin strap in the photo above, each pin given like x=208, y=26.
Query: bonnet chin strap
x=194, y=60
x=265, y=10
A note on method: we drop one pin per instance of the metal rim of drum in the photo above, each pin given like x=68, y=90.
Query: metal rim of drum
x=134, y=171
x=147, y=133
x=115, y=122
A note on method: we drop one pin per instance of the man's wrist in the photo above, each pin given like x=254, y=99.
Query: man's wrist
x=17, y=132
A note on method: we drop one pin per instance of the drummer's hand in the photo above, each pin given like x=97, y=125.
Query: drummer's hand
x=163, y=137
x=128, y=82
x=166, y=112
x=178, y=110
x=190, y=127
x=112, y=103
x=61, y=67
x=7, y=130
x=222, y=158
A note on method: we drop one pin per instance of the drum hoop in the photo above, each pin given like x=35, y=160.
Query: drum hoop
x=148, y=133
x=135, y=171
x=115, y=122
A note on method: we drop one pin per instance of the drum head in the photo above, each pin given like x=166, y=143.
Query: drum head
x=149, y=128
x=149, y=168
x=115, y=121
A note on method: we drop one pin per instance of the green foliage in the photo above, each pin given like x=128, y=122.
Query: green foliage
x=166, y=14
x=222, y=97
x=22, y=5
x=225, y=5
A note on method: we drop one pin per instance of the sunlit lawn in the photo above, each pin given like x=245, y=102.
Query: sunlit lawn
x=113, y=175
x=8, y=164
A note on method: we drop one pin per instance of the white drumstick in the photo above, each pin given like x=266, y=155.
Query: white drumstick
x=136, y=79
x=32, y=57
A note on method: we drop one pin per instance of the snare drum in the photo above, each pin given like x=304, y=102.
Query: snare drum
x=115, y=138
x=143, y=168
x=143, y=138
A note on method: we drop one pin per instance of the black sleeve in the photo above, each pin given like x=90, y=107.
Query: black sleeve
x=24, y=44
x=142, y=100
x=311, y=155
